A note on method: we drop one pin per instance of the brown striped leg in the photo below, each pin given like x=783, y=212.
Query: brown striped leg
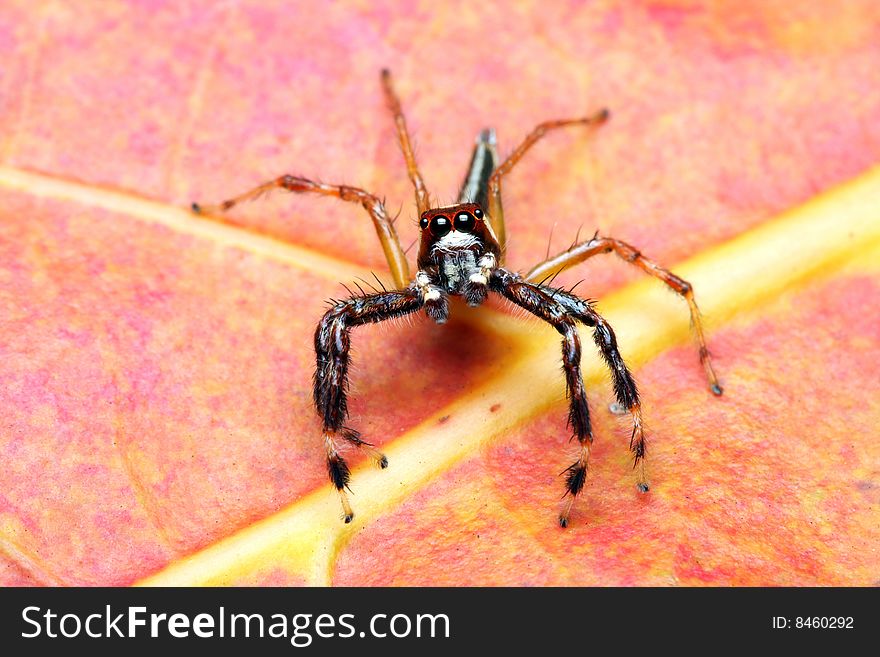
x=542, y=304
x=332, y=354
x=496, y=211
x=579, y=252
x=383, y=224
x=412, y=168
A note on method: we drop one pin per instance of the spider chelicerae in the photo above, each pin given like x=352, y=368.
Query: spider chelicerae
x=461, y=251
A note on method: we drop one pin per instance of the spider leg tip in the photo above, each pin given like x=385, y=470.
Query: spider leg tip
x=563, y=521
x=717, y=390
x=383, y=461
x=195, y=207
x=348, y=517
x=643, y=487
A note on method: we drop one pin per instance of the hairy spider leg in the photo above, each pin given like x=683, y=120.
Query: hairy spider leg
x=541, y=303
x=384, y=225
x=625, y=390
x=496, y=211
x=579, y=252
x=422, y=201
x=332, y=353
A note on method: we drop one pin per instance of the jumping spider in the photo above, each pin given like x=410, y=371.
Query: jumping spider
x=461, y=252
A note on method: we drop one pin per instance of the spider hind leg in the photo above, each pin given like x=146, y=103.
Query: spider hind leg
x=383, y=224
x=496, y=210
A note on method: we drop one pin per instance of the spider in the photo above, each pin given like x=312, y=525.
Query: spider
x=461, y=253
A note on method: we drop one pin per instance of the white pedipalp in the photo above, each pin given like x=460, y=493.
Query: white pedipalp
x=428, y=291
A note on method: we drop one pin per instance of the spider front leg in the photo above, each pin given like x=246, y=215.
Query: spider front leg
x=332, y=352
x=541, y=303
x=625, y=389
x=598, y=245
x=384, y=226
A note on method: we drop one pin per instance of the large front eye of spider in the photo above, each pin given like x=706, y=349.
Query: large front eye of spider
x=440, y=225
x=465, y=222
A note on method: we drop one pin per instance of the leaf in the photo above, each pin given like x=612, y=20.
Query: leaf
x=156, y=401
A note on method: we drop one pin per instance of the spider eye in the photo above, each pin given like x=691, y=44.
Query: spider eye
x=440, y=225
x=465, y=222
x=478, y=213
x=423, y=223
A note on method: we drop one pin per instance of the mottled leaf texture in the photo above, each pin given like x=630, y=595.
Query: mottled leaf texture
x=156, y=424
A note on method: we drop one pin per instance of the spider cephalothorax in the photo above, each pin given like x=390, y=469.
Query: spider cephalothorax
x=461, y=253
x=457, y=254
